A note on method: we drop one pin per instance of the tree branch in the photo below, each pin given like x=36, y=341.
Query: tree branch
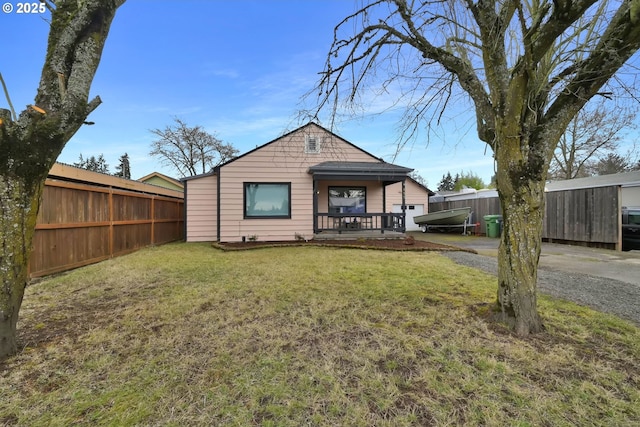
x=14, y=116
x=49, y=6
x=619, y=42
x=93, y=104
x=563, y=15
x=375, y=37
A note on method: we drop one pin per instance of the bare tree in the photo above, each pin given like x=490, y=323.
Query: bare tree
x=190, y=150
x=31, y=142
x=592, y=135
x=526, y=67
x=419, y=178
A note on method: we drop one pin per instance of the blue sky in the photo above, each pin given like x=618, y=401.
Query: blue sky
x=238, y=68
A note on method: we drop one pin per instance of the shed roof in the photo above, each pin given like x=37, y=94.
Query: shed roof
x=72, y=173
x=627, y=179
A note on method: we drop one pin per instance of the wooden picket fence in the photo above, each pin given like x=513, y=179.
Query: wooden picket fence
x=81, y=223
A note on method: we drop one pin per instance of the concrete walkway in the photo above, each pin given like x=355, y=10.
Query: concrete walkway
x=622, y=266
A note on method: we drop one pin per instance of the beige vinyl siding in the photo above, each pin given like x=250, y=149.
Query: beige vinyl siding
x=282, y=161
x=201, y=209
x=416, y=201
x=414, y=195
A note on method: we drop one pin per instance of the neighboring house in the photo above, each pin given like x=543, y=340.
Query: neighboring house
x=156, y=178
x=308, y=183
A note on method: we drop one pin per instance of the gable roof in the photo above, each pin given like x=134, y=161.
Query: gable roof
x=285, y=135
x=161, y=176
x=291, y=133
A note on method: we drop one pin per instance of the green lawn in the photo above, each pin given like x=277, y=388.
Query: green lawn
x=184, y=334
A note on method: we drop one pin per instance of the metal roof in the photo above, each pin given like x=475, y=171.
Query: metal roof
x=628, y=179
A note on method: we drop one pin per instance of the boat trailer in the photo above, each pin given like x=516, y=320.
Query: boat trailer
x=441, y=227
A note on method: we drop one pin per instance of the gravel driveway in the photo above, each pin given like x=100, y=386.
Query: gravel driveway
x=603, y=294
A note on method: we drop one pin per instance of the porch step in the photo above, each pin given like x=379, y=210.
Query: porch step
x=355, y=235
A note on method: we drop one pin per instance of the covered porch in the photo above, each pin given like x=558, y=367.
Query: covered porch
x=349, y=198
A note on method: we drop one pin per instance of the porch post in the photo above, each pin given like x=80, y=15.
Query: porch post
x=315, y=205
x=384, y=218
x=404, y=207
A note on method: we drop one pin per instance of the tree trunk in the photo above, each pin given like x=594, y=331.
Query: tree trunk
x=19, y=202
x=31, y=142
x=518, y=258
x=522, y=169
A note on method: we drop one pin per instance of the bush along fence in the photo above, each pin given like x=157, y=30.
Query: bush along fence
x=86, y=217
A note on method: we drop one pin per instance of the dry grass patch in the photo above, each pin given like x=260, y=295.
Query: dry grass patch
x=187, y=335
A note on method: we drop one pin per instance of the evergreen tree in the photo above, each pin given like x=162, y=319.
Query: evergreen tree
x=123, y=170
x=93, y=164
x=612, y=163
x=446, y=183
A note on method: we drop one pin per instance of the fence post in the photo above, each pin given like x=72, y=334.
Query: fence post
x=111, y=233
x=153, y=220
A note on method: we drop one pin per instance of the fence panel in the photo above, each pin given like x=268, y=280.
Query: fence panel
x=80, y=224
x=581, y=216
x=586, y=215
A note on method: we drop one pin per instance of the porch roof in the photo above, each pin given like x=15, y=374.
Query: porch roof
x=364, y=171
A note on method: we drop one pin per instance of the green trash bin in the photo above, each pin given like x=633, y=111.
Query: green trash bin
x=493, y=224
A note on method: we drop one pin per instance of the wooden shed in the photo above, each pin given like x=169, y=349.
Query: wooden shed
x=588, y=211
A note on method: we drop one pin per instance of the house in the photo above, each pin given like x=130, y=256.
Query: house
x=308, y=183
x=161, y=180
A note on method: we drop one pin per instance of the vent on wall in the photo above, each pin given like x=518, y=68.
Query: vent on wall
x=312, y=144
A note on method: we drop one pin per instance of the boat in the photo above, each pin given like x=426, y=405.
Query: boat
x=448, y=217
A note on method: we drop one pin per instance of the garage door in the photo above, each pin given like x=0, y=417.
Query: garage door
x=412, y=210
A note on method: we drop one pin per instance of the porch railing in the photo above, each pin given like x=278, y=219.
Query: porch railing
x=337, y=223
